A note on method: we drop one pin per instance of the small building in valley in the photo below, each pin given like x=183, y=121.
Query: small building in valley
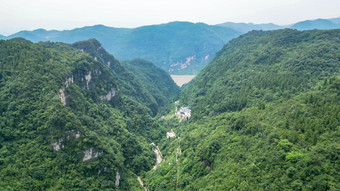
x=184, y=113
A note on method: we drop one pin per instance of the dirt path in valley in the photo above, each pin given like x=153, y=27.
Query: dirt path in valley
x=141, y=183
x=158, y=154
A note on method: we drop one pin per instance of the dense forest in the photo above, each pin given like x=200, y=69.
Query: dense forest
x=265, y=116
x=140, y=79
x=67, y=120
x=261, y=67
x=289, y=144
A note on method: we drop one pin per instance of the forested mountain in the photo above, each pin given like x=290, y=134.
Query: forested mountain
x=324, y=24
x=141, y=80
x=321, y=24
x=288, y=144
x=335, y=20
x=158, y=82
x=266, y=116
x=246, y=27
x=67, y=123
x=265, y=113
x=261, y=67
x=177, y=47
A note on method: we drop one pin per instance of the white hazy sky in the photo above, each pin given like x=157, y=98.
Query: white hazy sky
x=16, y=15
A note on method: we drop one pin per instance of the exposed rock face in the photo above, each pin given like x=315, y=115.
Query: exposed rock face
x=97, y=72
x=69, y=81
x=141, y=183
x=117, y=178
x=88, y=79
x=77, y=135
x=158, y=154
x=170, y=134
x=62, y=96
x=109, y=95
x=108, y=63
x=57, y=145
x=90, y=154
x=72, y=134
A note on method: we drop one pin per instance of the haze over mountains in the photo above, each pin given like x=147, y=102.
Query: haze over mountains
x=176, y=47
x=263, y=114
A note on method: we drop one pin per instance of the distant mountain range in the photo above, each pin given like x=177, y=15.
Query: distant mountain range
x=177, y=47
x=323, y=24
x=246, y=27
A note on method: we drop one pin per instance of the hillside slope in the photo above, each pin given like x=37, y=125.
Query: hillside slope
x=265, y=116
x=290, y=144
x=320, y=24
x=176, y=47
x=246, y=27
x=323, y=24
x=158, y=82
x=141, y=80
x=261, y=67
x=66, y=124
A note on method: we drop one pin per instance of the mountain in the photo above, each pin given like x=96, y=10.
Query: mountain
x=323, y=24
x=290, y=144
x=335, y=20
x=66, y=121
x=155, y=80
x=246, y=27
x=177, y=47
x=265, y=116
x=144, y=82
x=260, y=67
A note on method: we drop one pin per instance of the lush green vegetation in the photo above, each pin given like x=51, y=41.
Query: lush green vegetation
x=266, y=116
x=141, y=80
x=43, y=142
x=167, y=45
x=158, y=82
x=261, y=67
x=289, y=144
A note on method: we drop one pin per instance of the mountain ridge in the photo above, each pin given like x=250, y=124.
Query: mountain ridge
x=265, y=115
x=218, y=87
x=67, y=121
x=149, y=42
x=177, y=47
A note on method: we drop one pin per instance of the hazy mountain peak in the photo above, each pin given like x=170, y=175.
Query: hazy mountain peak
x=316, y=24
x=169, y=45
